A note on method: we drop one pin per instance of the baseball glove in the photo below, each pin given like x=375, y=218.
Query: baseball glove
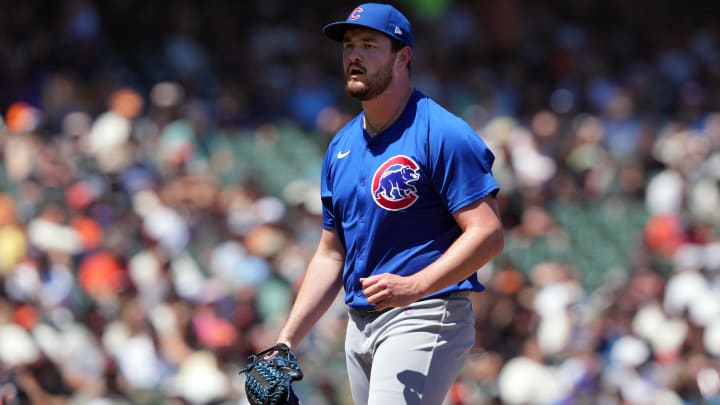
x=269, y=376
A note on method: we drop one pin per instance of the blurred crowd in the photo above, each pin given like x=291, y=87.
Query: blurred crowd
x=159, y=169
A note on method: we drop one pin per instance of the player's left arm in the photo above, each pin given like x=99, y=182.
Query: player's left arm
x=481, y=240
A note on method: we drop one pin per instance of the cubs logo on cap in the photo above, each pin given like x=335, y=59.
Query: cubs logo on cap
x=355, y=14
x=379, y=17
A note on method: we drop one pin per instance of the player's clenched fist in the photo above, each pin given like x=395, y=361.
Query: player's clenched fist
x=390, y=290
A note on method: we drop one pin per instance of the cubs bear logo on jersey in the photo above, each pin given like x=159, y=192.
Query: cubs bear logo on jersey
x=392, y=183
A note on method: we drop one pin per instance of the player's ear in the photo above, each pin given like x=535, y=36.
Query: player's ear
x=404, y=55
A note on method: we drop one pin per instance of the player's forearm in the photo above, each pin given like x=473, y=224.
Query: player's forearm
x=481, y=240
x=473, y=249
x=319, y=288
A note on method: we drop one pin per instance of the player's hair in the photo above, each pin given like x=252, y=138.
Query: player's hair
x=395, y=46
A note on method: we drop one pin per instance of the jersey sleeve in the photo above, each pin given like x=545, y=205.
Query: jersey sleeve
x=328, y=216
x=461, y=165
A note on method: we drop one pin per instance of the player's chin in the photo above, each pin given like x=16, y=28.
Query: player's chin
x=352, y=84
x=356, y=88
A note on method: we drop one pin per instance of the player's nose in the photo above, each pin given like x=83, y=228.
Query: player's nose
x=353, y=61
x=353, y=54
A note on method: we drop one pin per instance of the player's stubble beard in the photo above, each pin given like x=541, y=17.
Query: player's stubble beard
x=374, y=84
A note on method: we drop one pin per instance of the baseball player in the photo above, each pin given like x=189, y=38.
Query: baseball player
x=409, y=216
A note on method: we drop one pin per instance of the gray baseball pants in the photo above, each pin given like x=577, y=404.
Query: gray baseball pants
x=409, y=355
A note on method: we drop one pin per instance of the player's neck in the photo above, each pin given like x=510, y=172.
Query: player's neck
x=384, y=110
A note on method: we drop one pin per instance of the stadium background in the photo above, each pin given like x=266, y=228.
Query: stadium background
x=158, y=194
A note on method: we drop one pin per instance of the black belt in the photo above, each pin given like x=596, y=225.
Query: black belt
x=375, y=312
x=371, y=312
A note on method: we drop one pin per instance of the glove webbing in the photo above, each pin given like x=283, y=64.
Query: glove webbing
x=260, y=392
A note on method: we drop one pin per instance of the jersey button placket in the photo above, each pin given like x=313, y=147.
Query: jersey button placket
x=361, y=220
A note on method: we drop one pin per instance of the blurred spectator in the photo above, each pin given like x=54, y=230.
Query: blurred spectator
x=159, y=196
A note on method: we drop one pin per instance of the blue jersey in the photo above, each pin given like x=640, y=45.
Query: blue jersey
x=390, y=198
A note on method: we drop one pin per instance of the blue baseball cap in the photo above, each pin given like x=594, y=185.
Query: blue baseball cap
x=379, y=17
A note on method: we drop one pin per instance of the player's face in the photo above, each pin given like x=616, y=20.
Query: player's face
x=368, y=62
